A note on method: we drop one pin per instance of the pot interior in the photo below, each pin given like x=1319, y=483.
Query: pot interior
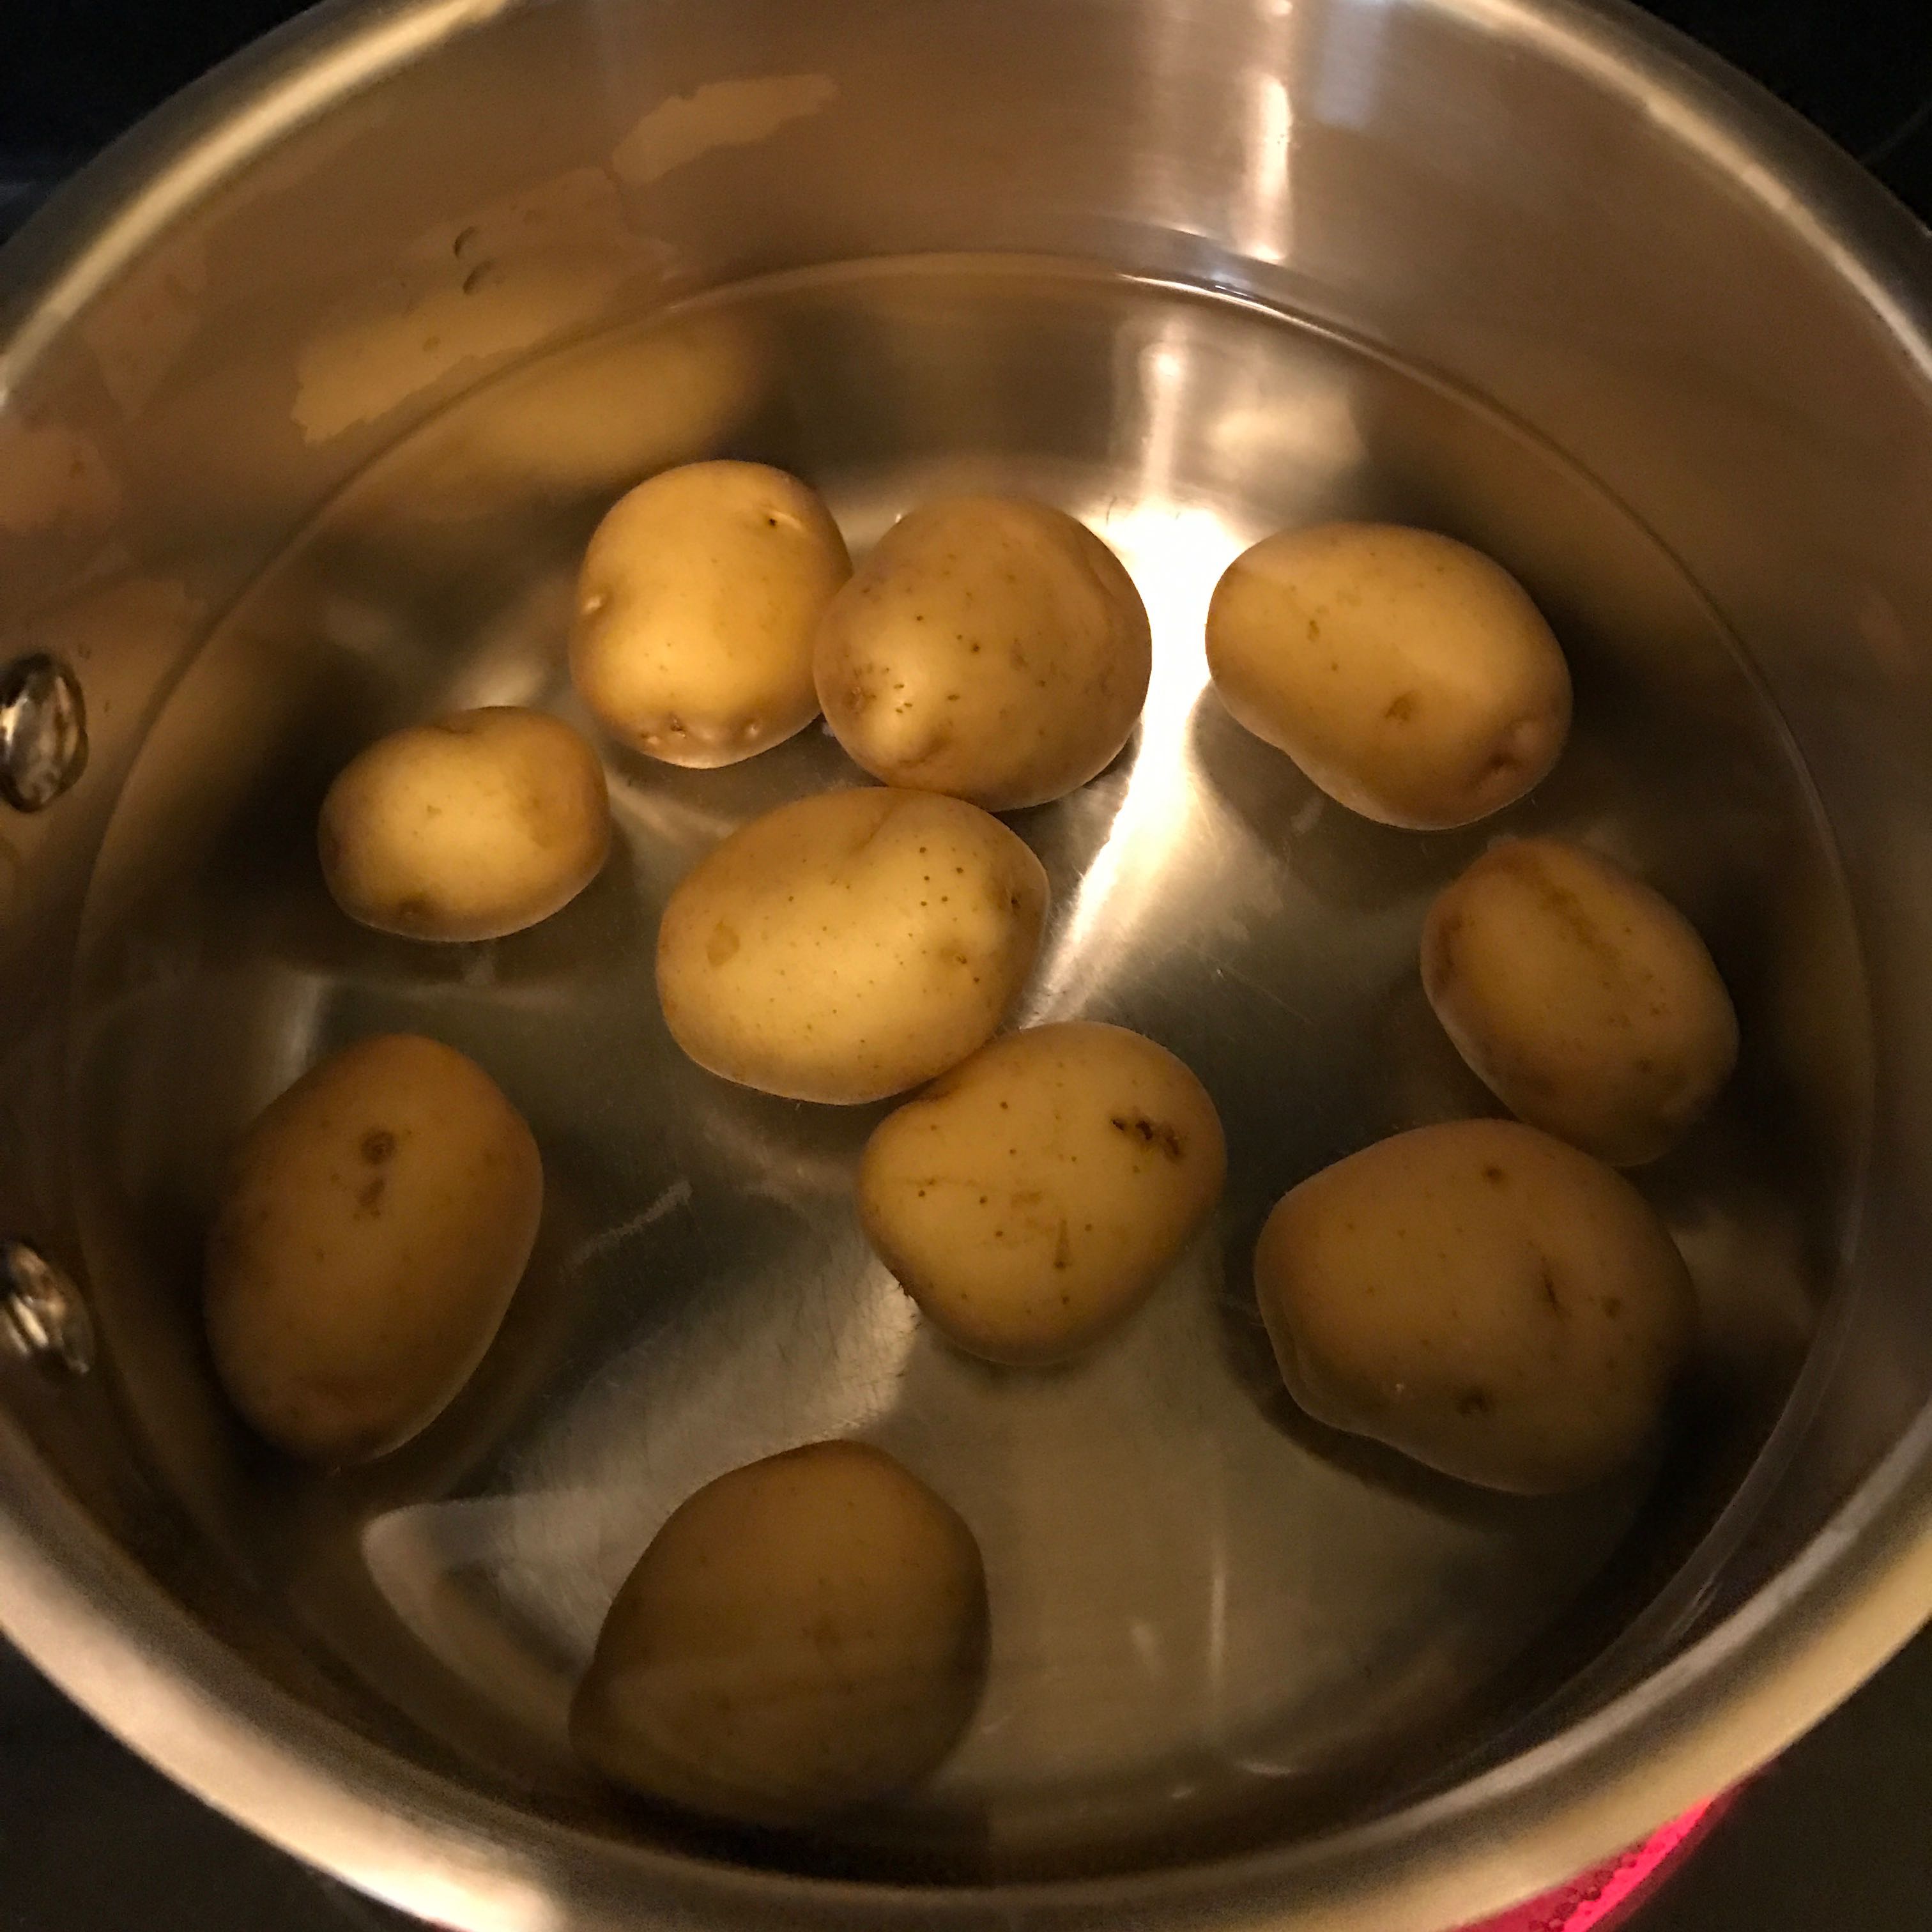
x=1214, y=1620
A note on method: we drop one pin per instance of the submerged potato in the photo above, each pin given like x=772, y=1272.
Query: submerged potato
x=850, y=946
x=806, y=1634
x=990, y=647
x=377, y=1219
x=1029, y=1200
x=1584, y=1001
x=696, y=608
x=475, y=826
x=1406, y=674
x=1483, y=1298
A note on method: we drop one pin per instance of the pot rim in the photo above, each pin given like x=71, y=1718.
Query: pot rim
x=94, y=1622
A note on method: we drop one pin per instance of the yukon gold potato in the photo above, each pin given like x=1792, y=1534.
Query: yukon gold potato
x=696, y=607
x=1408, y=677
x=850, y=946
x=990, y=647
x=1583, y=1000
x=377, y=1219
x=1030, y=1200
x=1488, y=1300
x=806, y=1634
x=475, y=826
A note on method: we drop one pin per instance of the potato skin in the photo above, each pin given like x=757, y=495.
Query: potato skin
x=378, y=1218
x=806, y=1634
x=1031, y=1199
x=990, y=647
x=476, y=825
x=1407, y=675
x=1584, y=1001
x=1487, y=1300
x=697, y=605
x=850, y=946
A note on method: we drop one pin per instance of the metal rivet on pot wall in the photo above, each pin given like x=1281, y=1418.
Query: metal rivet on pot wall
x=42, y=1316
x=43, y=732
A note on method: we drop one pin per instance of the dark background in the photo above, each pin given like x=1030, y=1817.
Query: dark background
x=1836, y=1837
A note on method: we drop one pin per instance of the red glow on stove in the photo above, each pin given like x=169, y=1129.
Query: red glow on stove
x=1603, y=1898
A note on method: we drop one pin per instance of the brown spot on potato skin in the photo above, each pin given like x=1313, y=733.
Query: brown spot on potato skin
x=722, y=946
x=1474, y=1403
x=1401, y=707
x=1150, y=1133
x=378, y=1145
x=369, y=1198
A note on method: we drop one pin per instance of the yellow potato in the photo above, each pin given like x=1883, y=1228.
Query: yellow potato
x=1489, y=1300
x=990, y=647
x=850, y=946
x=1029, y=1200
x=1407, y=675
x=475, y=826
x=376, y=1222
x=1585, y=1001
x=806, y=1634
x=695, y=611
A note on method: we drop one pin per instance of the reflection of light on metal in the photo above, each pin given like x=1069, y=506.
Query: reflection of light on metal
x=1594, y=1902
x=1263, y=215
x=1176, y=553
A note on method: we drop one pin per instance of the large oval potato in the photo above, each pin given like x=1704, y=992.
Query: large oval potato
x=1406, y=674
x=1487, y=1300
x=990, y=647
x=477, y=825
x=851, y=946
x=804, y=1634
x=378, y=1218
x=1030, y=1199
x=1585, y=1001
x=696, y=609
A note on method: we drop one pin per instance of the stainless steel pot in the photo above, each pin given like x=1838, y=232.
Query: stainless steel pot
x=309, y=389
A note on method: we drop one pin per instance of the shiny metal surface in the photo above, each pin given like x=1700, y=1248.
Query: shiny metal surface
x=315, y=391
x=43, y=1318
x=43, y=732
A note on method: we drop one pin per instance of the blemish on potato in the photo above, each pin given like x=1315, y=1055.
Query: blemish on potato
x=1150, y=1133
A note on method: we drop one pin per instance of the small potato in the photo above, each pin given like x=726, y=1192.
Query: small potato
x=1029, y=1200
x=478, y=825
x=850, y=946
x=1482, y=1297
x=806, y=1634
x=990, y=647
x=378, y=1218
x=1585, y=1002
x=695, y=611
x=1408, y=676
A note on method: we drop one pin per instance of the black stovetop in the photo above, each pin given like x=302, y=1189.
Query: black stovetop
x=1835, y=1837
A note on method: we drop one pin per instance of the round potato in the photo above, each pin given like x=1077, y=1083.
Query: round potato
x=378, y=1218
x=695, y=611
x=1585, y=1002
x=1030, y=1199
x=806, y=1634
x=1489, y=1300
x=851, y=946
x=475, y=826
x=1407, y=675
x=990, y=647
